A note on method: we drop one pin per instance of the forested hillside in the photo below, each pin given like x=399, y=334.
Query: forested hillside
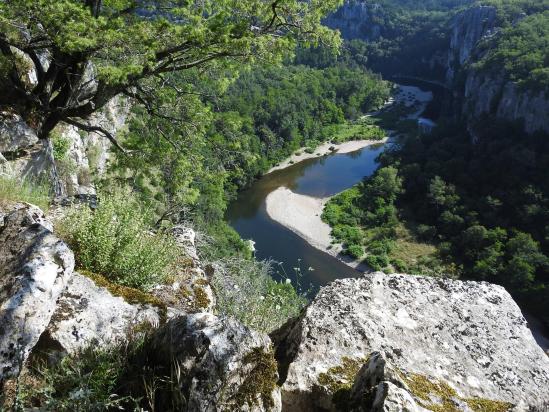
x=476, y=187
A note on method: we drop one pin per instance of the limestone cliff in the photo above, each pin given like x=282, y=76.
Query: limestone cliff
x=355, y=19
x=81, y=154
x=489, y=93
x=466, y=30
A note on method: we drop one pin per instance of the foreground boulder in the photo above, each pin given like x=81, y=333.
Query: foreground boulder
x=35, y=266
x=398, y=342
x=220, y=365
x=88, y=314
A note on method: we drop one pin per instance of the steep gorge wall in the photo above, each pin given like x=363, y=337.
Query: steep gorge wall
x=489, y=93
x=356, y=20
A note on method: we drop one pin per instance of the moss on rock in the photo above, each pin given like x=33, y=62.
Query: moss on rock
x=438, y=396
x=339, y=380
x=130, y=295
x=260, y=382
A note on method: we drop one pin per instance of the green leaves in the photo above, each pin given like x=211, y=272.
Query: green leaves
x=521, y=50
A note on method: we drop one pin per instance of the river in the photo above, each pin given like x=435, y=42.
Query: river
x=294, y=257
x=319, y=177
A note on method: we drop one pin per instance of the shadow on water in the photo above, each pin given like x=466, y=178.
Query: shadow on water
x=319, y=177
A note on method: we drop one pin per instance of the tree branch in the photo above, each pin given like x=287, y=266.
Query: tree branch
x=89, y=128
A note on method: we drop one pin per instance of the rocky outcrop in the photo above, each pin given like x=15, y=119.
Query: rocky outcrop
x=35, y=266
x=15, y=134
x=221, y=365
x=446, y=343
x=87, y=314
x=493, y=95
x=190, y=291
x=83, y=154
x=467, y=29
x=489, y=93
x=354, y=20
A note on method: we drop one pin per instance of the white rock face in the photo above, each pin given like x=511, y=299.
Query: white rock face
x=191, y=290
x=468, y=28
x=224, y=366
x=470, y=336
x=489, y=94
x=35, y=266
x=87, y=155
x=15, y=134
x=87, y=314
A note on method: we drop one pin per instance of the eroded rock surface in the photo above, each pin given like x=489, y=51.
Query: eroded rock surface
x=88, y=314
x=35, y=266
x=467, y=339
x=190, y=290
x=222, y=365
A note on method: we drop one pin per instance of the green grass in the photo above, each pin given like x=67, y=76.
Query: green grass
x=14, y=189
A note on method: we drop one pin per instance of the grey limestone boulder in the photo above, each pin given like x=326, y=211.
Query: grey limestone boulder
x=448, y=343
x=88, y=314
x=221, y=364
x=35, y=266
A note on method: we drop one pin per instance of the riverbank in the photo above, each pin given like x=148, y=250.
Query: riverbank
x=302, y=215
x=326, y=149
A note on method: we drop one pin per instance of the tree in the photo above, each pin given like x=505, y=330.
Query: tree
x=82, y=53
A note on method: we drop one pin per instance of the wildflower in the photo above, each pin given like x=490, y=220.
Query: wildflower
x=288, y=281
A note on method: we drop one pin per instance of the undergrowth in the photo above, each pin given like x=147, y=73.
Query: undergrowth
x=115, y=241
x=14, y=189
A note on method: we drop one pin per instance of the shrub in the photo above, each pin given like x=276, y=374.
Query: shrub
x=377, y=262
x=115, y=241
x=246, y=290
x=61, y=146
x=426, y=232
x=356, y=251
x=399, y=265
x=14, y=189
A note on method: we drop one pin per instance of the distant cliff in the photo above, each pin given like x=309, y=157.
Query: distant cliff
x=489, y=92
x=450, y=49
x=356, y=20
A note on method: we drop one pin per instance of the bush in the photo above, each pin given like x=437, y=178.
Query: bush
x=115, y=241
x=377, y=262
x=13, y=189
x=356, y=251
x=399, y=265
x=246, y=291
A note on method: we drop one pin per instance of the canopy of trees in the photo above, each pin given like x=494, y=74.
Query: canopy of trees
x=81, y=53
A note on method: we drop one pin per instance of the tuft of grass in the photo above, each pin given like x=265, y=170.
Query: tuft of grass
x=115, y=241
x=13, y=189
x=86, y=381
x=246, y=290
